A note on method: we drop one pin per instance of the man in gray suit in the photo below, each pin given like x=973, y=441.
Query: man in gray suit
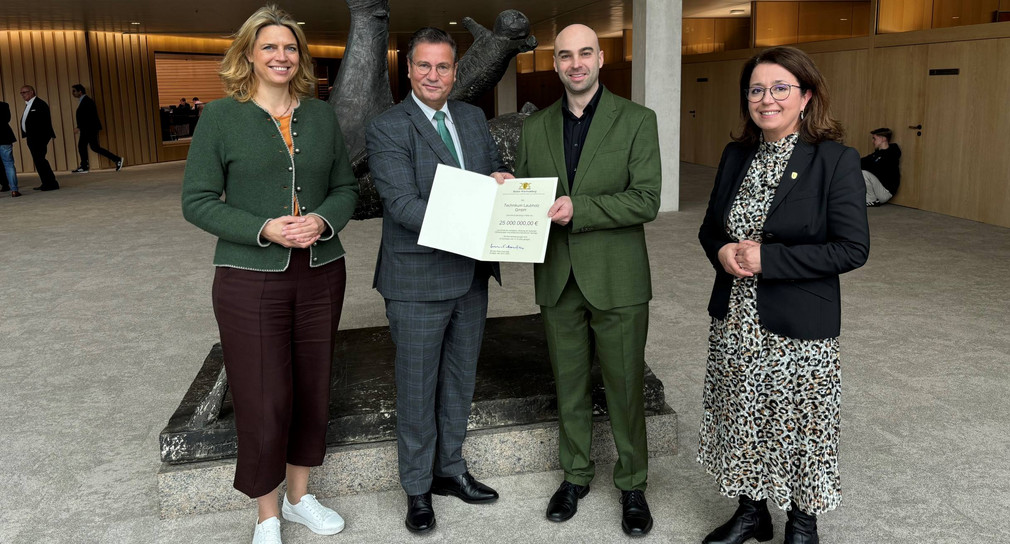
x=436, y=301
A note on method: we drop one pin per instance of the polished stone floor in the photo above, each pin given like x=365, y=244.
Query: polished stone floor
x=105, y=318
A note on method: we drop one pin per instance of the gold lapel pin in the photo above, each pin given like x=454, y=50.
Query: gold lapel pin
x=795, y=175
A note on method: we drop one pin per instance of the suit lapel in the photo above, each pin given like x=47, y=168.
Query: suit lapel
x=554, y=125
x=468, y=141
x=741, y=171
x=428, y=132
x=796, y=171
x=603, y=120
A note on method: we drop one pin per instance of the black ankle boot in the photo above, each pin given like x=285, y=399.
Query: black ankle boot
x=801, y=528
x=751, y=520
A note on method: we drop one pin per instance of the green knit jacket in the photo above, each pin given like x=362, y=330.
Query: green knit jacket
x=238, y=153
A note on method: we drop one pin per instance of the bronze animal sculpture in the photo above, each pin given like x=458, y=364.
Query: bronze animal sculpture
x=362, y=91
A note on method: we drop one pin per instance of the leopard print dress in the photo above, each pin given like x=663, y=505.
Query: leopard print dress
x=770, y=427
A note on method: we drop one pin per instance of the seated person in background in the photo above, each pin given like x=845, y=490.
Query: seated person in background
x=183, y=107
x=880, y=168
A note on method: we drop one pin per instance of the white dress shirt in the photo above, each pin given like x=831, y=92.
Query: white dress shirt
x=24, y=116
x=449, y=124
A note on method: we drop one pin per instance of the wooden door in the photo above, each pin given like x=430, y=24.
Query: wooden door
x=689, y=104
x=966, y=122
x=897, y=101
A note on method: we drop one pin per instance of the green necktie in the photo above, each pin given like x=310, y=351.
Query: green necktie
x=444, y=133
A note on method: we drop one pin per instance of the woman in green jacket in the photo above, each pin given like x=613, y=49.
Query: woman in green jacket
x=268, y=174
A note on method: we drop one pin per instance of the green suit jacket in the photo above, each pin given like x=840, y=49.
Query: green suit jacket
x=615, y=191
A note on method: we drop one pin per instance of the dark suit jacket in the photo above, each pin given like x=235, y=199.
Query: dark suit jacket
x=39, y=124
x=815, y=230
x=6, y=134
x=615, y=191
x=403, y=151
x=87, y=116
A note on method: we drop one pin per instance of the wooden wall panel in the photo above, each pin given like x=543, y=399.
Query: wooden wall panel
x=124, y=95
x=775, y=23
x=848, y=77
x=50, y=62
x=861, y=19
x=707, y=35
x=904, y=15
x=698, y=36
x=818, y=21
x=948, y=13
x=732, y=33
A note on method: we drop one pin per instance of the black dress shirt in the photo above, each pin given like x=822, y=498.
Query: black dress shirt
x=576, y=129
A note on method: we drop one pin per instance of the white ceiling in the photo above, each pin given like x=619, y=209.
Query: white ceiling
x=326, y=21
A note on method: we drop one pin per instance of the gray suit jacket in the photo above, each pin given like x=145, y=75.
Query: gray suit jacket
x=403, y=151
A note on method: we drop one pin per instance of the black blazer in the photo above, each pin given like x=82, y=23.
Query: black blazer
x=815, y=230
x=39, y=124
x=87, y=116
x=6, y=134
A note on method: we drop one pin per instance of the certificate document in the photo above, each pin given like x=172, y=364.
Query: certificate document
x=471, y=215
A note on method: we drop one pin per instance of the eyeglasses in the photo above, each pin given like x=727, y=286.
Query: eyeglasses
x=423, y=68
x=779, y=92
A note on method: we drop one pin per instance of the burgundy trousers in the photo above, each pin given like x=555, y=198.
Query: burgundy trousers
x=277, y=334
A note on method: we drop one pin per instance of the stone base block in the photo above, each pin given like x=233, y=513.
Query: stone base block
x=204, y=487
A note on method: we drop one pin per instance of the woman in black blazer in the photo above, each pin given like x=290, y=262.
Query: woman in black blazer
x=786, y=217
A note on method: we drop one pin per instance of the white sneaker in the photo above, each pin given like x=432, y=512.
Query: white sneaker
x=318, y=518
x=268, y=532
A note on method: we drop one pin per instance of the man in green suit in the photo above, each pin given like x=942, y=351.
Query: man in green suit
x=594, y=286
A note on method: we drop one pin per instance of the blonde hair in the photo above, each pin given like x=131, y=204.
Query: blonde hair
x=236, y=69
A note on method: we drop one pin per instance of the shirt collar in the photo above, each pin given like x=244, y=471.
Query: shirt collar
x=590, y=107
x=28, y=105
x=428, y=111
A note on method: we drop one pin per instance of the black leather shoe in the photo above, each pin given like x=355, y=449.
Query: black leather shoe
x=751, y=520
x=801, y=528
x=565, y=501
x=464, y=486
x=637, y=520
x=39, y=188
x=420, y=515
x=56, y=188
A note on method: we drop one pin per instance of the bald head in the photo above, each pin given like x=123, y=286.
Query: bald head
x=575, y=35
x=577, y=60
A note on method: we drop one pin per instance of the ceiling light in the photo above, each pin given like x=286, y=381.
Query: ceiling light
x=300, y=23
x=844, y=19
x=735, y=11
x=134, y=23
x=452, y=22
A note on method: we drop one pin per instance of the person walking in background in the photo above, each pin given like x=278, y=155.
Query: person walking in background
x=881, y=171
x=595, y=284
x=278, y=159
x=87, y=129
x=37, y=130
x=786, y=217
x=8, y=174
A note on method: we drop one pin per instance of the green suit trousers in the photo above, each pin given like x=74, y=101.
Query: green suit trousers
x=575, y=332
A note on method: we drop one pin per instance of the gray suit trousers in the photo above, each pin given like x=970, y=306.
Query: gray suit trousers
x=437, y=345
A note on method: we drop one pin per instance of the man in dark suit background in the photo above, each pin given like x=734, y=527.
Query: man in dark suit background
x=88, y=125
x=8, y=175
x=436, y=301
x=37, y=130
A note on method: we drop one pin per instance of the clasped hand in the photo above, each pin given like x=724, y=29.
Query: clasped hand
x=294, y=231
x=742, y=259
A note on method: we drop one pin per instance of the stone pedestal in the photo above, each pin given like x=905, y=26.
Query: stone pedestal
x=512, y=427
